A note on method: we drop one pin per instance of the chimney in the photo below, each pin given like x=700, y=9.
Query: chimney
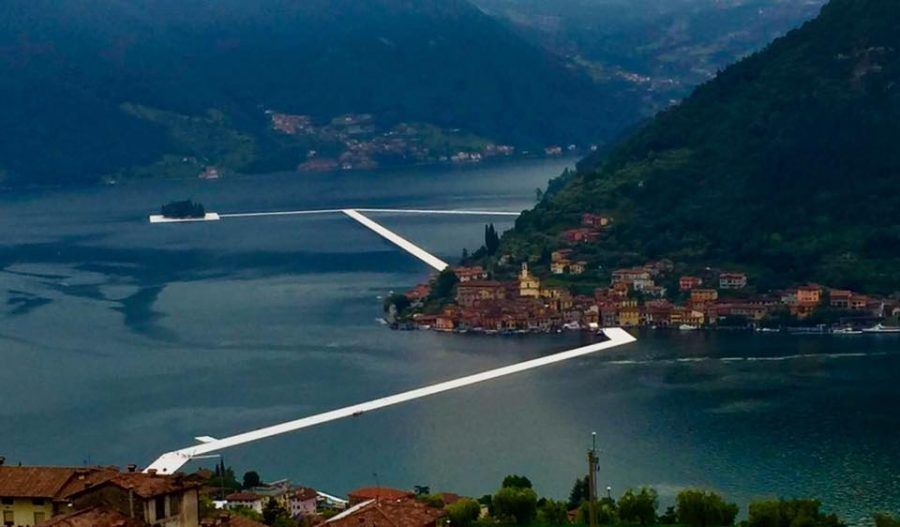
x=152, y=472
x=132, y=467
x=2, y=460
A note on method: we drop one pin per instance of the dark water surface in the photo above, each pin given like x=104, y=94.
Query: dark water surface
x=120, y=340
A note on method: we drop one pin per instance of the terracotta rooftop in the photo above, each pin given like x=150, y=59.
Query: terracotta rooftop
x=242, y=496
x=143, y=485
x=93, y=517
x=49, y=482
x=305, y=493
x=402, y=512
x=224, y=519
x=380, y=493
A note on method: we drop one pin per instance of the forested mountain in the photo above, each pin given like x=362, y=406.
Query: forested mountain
x=786, y=164
x=93, y=87
x=661, y=48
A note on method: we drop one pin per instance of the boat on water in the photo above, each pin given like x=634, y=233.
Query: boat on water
x=687, y=327
x=768, y=330
x=881, y=328
x=847, y=331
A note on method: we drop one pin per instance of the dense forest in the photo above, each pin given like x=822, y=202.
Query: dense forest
x=786, y=165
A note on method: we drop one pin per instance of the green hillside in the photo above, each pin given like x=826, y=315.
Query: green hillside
x=787, y=164
x=93, y=87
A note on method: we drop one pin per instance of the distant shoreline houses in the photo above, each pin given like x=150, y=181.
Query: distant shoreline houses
x=363, y=144
x=649, y=295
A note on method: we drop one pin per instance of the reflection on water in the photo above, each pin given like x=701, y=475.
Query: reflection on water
x=121, y=340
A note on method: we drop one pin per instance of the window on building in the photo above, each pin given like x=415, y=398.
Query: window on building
x=8, y=518
x=7, y=501
x=174, y=505
x=160, y=506
x=39, y=517
x=37, y=501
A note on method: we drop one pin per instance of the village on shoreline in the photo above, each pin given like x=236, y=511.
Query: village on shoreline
x=653, y=295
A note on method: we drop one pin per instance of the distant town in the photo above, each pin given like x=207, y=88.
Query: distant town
x=357, y=142
x=94, y=496
x=471, y=298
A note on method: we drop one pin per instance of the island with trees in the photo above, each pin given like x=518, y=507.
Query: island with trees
x=186, y=209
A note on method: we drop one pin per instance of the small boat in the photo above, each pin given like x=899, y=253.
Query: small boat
x=767, y=330
x=847, y=331
x=881, y=328
x=687, y=327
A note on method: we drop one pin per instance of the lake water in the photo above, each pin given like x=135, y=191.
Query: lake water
x=121, y=340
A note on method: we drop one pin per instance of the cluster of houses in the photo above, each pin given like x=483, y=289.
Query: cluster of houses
x=365, y=144
x=35, y=496
x=636, y=296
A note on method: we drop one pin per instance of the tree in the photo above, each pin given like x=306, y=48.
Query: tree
x=463, y=512
x=442, y=289
x=225, y=477
x=638, y=507
x=514, y=480
x=580, y=492
x=553, y=512
x=670, y=517
x=251, y=479
x=699, y=508
x=276, y=515
x=538, y=194
x=883, y=519
x=789, y=513
x=246, y=512
x=516, y=504
x=605, y=511
x=491, y=239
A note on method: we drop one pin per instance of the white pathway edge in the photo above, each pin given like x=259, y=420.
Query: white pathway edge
x=401, y=242
x=172, y=461
x=392, y=211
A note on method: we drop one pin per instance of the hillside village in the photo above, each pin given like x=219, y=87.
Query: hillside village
x=654, y=295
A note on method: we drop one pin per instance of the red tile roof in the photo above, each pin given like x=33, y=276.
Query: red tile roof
x=143, y=485
x=243, y=496
x=305, y=493
x=93, y=517
x=225, y=519
x=402, y=512
x=49, y=482
x=381, y=493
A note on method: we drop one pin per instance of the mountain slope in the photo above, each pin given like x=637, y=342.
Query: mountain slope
x=786, y=164
x=69, y=67
x=663, y=48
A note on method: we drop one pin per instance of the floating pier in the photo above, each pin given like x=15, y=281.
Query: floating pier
x=399, y=241
x=170, y=462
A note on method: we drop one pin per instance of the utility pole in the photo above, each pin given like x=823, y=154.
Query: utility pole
x=592, y=481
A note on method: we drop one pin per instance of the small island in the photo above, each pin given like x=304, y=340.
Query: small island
x=186, y=209
x=183, y=211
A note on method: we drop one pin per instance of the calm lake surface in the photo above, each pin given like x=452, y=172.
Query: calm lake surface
x=120, y=340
